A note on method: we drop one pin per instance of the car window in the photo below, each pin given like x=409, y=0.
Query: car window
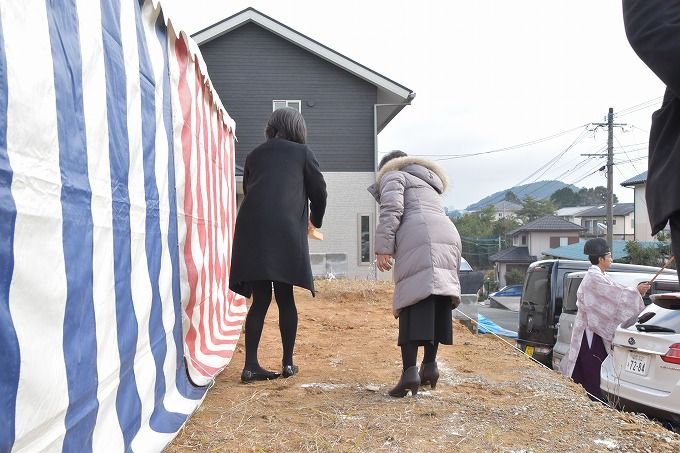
x=569, y=305
x=464, y=265
x=537, y=287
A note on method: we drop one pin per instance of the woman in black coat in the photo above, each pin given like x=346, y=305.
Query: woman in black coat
x=285, y=194
x=653, y=30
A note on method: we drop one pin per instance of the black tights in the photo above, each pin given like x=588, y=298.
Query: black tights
x=288, y=319
x=409, y=353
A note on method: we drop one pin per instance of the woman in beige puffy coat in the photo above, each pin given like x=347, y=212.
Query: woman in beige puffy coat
x=414, y=231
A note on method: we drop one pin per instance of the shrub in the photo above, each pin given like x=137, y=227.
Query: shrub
x=514, y=277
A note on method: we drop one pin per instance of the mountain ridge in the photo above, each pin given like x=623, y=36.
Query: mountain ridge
x=539, y=190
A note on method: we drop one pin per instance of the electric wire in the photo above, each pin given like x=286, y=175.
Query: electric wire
x=545, y=167
x=641, y=106
x=442, y=157
x=624, y=150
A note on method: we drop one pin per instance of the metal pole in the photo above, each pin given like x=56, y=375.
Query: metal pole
x=610, y=179
x=375, y=138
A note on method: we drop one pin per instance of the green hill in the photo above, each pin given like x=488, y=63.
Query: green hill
x=539, y=190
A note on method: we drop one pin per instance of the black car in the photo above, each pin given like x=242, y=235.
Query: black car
x=541, y=302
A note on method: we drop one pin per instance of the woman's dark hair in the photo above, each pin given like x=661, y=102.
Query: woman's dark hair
x=595, y=259
x=288, y=124
x=389, y=156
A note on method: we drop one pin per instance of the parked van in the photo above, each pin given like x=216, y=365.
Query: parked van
x=541, y=302
x=663, y=284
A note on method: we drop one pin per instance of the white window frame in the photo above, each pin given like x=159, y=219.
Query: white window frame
x=370, y=239
x=292, y=103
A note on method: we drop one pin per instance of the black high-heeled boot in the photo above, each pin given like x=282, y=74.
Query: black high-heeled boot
x=410, y=380
x=429, y=374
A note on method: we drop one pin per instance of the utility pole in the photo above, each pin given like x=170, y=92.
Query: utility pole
x=610, y=179
x=610, y=173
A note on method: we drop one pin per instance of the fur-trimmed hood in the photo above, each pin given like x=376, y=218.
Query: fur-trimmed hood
x=405, y=163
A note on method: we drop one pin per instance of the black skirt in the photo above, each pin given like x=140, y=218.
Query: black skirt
x=428, y=321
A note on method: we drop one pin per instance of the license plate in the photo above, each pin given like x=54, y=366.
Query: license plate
x=529, y=351
x=637, y=363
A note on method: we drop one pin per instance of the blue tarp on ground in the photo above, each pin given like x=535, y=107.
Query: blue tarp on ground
x=485, y=325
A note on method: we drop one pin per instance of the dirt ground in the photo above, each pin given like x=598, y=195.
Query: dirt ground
x=489, y=396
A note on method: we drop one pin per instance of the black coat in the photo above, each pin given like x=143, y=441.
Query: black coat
x=283, y=187
x=653, y=30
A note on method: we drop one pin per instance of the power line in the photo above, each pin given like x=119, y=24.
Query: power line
x=626, y=152
x=640, y=106
x=553, y=162
x=589, y=174
x=506, y=148
x=545, y=167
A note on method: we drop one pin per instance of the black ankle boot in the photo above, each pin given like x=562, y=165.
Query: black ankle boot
x=429, y=374
x=289, y=370
x=410, y=380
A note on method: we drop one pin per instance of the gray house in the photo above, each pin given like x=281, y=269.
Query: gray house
x=258, y=64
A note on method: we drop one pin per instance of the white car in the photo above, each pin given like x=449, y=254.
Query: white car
x=643, y=372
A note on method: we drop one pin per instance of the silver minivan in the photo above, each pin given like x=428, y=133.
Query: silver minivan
x=664, y=283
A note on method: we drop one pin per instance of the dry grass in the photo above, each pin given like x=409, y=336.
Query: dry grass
x=489, y=398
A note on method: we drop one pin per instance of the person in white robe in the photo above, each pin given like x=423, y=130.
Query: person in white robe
x=602, y=304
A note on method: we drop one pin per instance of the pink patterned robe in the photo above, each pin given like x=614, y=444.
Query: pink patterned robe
x=603, y=304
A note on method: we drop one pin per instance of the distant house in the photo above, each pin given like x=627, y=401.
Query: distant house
x=529, y=241
x=258, y=64
x=571, y=213
x=506, y=209
x=594, y=220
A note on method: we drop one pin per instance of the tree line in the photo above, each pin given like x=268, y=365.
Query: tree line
x=483, y=234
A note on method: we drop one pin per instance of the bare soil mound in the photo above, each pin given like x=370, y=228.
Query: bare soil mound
x=489, y=397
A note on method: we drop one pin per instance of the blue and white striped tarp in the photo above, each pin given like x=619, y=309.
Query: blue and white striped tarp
x=116, y=200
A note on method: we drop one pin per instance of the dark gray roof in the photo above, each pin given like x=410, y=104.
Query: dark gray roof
x=548, y=223
x=635, y=180
x=513, y=255
x=601, y=211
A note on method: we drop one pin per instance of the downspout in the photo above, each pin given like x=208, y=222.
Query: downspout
x=410, y=97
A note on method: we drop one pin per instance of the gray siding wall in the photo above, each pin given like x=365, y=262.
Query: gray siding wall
x=347, y=200
x=250, y=67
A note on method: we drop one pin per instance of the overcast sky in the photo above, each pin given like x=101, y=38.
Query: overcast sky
x=487, y=75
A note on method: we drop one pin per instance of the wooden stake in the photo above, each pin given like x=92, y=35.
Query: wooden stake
x=668, y=263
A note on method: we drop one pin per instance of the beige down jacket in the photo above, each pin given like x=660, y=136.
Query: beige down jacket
x=414, y=229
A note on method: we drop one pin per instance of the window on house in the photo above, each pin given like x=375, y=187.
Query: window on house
x=279, y=104
x=613, y=221
x=564, y=241
x=632, y=223
x=365, y=239
x=524, y=240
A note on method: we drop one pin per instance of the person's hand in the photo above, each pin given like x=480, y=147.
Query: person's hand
x=383, y=262
x=643, y=287
x=310, y=225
